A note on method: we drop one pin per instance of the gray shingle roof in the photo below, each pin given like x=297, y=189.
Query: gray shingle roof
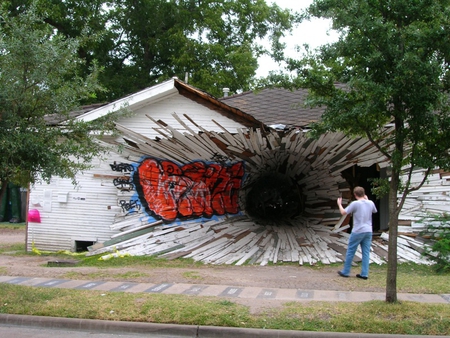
x=55, y=119
x=276, y=106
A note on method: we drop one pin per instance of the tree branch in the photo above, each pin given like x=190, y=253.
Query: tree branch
x=417, y=187
x=377, y=145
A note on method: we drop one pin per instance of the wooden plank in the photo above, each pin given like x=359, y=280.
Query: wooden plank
x=213, y=146
x=245, y=138
x=342, y=228
x=234, y=254
x=230, y=138
x=276, y=251
x=209, y=249
x=121, y=245
x=380, y=252
x=254, y=141
x=247, y=255
x=180, y=121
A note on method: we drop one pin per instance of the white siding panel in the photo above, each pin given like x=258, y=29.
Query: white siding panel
x=433, y=197
x=163, y=110
x=86, y=216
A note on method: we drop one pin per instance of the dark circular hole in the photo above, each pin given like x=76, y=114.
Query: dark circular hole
x=274, y=198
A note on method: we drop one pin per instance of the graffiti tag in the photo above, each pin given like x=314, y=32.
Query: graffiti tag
x=197, y=189
x=122, y=167
x=219, y=158
x=130, y=206
x=123, y=183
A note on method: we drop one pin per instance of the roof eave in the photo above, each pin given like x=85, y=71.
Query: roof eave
x=213, y=103
x=172, y=86
x=132, y=101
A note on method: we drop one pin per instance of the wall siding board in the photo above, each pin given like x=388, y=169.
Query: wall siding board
x=85, y=213
x=180, y=105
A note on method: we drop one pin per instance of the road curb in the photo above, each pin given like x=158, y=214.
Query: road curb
x=174, y=330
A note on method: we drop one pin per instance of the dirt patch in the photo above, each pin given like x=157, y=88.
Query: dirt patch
x=11, y=235
x=279, y=276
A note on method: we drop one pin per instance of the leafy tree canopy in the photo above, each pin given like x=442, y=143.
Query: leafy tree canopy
x=390, y=66
x=40, y=81
x=139, y=43
x=393, y=57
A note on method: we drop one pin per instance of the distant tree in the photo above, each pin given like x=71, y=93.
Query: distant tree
x=394, y=59
x=40, y=84
x=86, y=22
x=140, y=43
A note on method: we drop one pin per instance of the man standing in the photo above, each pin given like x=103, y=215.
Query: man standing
x=361, y=210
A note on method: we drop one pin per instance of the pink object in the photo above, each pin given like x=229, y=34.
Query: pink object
x=34, y=216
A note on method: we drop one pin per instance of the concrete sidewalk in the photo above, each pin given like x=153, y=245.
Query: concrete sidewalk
x=226, y=291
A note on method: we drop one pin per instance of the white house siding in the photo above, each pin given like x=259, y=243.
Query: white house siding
x=73, y=213
x=86, y=212
x=432, y=198
x=178, y=104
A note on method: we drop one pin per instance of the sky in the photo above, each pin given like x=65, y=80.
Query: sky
x=315, y=33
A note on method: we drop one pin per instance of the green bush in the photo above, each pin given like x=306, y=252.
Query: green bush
x=438, y=227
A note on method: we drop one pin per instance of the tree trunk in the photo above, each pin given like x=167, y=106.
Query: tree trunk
x=391, y=279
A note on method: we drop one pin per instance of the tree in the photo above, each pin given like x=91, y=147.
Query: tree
x=140, y=43
x=86, y=22
x=393, y=57
x=39, y=86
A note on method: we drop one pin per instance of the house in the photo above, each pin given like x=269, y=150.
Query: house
x=72, y=218
x=210, y=179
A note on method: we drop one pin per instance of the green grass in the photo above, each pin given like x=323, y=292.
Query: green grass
x=15, y=226
x=192, y=275
x=411, y=278
x=369, y=317
x=105, y=275
x=136, y=261
x=13, y=248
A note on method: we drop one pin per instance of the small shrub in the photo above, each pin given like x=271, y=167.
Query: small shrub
x=439, y=252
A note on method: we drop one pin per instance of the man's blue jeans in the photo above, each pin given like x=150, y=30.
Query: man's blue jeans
x=365, y=240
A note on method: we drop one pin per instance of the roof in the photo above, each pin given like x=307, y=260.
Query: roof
x=165, y=89
x=56, y=119
x=133, y=101
x=276, y=106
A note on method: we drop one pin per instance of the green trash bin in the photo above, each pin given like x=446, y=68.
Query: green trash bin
x=10, y=209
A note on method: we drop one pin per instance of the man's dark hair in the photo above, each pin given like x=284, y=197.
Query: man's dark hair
x=359, y=192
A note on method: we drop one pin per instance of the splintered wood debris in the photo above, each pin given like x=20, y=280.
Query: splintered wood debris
x=318, y=235
x=239, y=240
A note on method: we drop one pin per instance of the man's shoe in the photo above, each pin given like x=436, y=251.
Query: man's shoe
x=362, y=277
x=341, y=274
